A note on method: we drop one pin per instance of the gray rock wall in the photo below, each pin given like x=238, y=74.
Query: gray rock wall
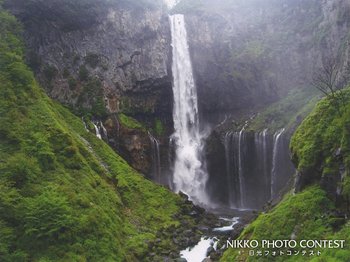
x=124, y=45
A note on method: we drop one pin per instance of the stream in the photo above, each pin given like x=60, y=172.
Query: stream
x=208, y=243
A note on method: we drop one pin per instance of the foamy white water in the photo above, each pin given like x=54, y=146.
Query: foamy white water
x=190, y=175
x=199, y=252
x=97, y=130
x=234, y=221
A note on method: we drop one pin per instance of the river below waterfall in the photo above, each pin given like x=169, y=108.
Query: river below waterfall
x=230, y=223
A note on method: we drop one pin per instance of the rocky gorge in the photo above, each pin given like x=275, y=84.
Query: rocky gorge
x=111, y=63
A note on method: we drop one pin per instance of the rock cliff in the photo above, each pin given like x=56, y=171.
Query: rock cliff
x=125, y=46
x=249, y=54
x=104, y=57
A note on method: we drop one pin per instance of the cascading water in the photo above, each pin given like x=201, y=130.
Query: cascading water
x=189, y=174
x=257, y=167
x=240, y=167
x=261, y=144
x=264, y=154
x=97, y=130
x=276, y=143
x=104, y=130
x=234, y=168
x=156, y=169
x=229, y=160
x=85, y=126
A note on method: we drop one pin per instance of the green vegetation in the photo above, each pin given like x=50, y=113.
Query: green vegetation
x=130, y=122
x=324, y=131
x=304, y=214
x=64, y=194
x=50, y=72
x=159, y=128
x=83, y=73
x=93, y=94
x=310, y=214
x=72, y=82
x=92, y=60
x=287, y=111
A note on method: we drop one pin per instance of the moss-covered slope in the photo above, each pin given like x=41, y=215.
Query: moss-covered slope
x=320, y=150
x=64, y=194
x=321, y=145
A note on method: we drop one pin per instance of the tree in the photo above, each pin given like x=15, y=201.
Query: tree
x=326, y=77
x=329, y=80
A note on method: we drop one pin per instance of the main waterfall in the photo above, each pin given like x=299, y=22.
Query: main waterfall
x=189, y=175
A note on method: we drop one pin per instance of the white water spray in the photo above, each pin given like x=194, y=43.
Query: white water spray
x=97, y=130
x=190, y=175
x=156, y=168
x=104, y=130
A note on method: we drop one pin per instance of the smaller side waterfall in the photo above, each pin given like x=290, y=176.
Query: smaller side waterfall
x=276, y=147
x=85, y=126
x=97, y=130
x=104, y=131
x=229, y=164
x=258, y=166
x=240, y=167
x=234, y=154
x=156, y=167
x=100, y=130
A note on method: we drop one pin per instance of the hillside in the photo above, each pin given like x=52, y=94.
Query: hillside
x=65, y=195
x=320, y=206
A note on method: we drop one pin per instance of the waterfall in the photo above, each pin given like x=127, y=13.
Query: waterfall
x=257, y=166
x=264, y=154
x=156, y=169
x=234, y=156
x=240, y=168
x=104, y=131
x=229, y=166
x=276, y=139
x=189, y=174
x=85, y=126
x=97, y=130
x=261, y=148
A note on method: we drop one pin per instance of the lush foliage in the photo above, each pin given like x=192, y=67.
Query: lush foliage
x=286, y=112
x=130, y=122
x=64, y=194
x=302, y=214
x=320, y=145
x=322, y=133
x=159, y=128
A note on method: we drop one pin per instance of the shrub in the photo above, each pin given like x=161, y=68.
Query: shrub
x=159, y=127
x=83, y=73
x=48, y=215
x=72, y=83
x=92, y=60
x=50, y=72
